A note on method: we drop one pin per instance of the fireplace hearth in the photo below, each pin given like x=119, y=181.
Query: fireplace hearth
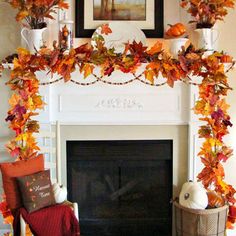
x=122, y=187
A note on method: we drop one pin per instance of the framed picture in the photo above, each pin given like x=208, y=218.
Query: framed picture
x=146, y=14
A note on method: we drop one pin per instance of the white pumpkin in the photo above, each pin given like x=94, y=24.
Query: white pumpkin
x=60, y=193
x=193, y=196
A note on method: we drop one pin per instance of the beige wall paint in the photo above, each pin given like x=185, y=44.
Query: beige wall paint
x=227, y=42
x=9, y=41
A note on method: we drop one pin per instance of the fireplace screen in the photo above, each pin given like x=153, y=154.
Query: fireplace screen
x=122, y=187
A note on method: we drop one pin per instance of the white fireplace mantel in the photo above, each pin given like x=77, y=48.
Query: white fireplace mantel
x=103, y=104
x=132, y=104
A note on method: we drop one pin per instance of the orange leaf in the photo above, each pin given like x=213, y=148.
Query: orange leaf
x=21, y=15
x=155, y=49
x=14, y=100
x=106, y=29
x=154, y=66
x=223, y=105
x=63, y=5
x=24, y=56
x=9, y=220
x=207, y=176
x=215, y=200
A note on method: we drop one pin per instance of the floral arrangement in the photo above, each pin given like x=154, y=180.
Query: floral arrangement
x=34, y=12
x=207, y=12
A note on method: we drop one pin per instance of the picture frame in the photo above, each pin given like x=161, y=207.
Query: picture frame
x=84, y=13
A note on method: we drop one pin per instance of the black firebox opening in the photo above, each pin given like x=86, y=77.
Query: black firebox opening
x=123, y=188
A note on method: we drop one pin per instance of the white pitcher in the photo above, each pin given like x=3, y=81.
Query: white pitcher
x=207, y=38
x=33, y=38
x=176, y=46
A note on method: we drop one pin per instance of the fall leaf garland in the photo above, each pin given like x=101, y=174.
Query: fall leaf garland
x=211, y=106
x=24, y=102
x=214, y=111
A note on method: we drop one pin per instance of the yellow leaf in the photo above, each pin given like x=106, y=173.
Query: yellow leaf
x=30, y=104
x=23, y=51
x=149, y=75
x=203, y=107
x=209, y=146
x=34, y=103
x=222, y=184
x=22, y=137
x=87, y=69
x=16, y=63
x=214, y=142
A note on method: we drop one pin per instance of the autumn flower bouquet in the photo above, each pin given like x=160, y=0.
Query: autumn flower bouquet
x=32, y=13
x=207, y=12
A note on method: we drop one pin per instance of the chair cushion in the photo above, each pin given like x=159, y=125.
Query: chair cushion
x=16, y=169
x=36, y=191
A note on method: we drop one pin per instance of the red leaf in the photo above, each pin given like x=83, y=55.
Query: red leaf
x=14, y=153
x=54, y=57
x=232, y=212
x=83, y=49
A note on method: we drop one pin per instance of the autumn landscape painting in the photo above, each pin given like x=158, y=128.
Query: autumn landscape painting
x=128, y=10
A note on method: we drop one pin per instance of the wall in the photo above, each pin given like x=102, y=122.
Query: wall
x=227, y=43
x=9, y=41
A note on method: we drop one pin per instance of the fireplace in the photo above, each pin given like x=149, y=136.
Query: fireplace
x=122, y=187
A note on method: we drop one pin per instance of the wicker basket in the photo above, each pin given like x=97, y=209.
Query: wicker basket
x=190, y=222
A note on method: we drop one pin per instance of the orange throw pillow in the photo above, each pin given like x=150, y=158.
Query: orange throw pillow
x=11, y=170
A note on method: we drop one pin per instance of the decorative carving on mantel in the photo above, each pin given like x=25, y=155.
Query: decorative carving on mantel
x=118, y=103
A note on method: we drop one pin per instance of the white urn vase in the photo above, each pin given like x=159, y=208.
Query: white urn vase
x=176, y=46
x=206, y=38
x=33, y=38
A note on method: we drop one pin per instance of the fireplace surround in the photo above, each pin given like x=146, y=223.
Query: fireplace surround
x=122, y=187
x=178, y=134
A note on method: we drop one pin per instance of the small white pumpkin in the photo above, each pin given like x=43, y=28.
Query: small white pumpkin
x=193, y=196
x=60, y=193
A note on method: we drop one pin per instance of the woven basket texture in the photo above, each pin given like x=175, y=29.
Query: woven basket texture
x=190, y=222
